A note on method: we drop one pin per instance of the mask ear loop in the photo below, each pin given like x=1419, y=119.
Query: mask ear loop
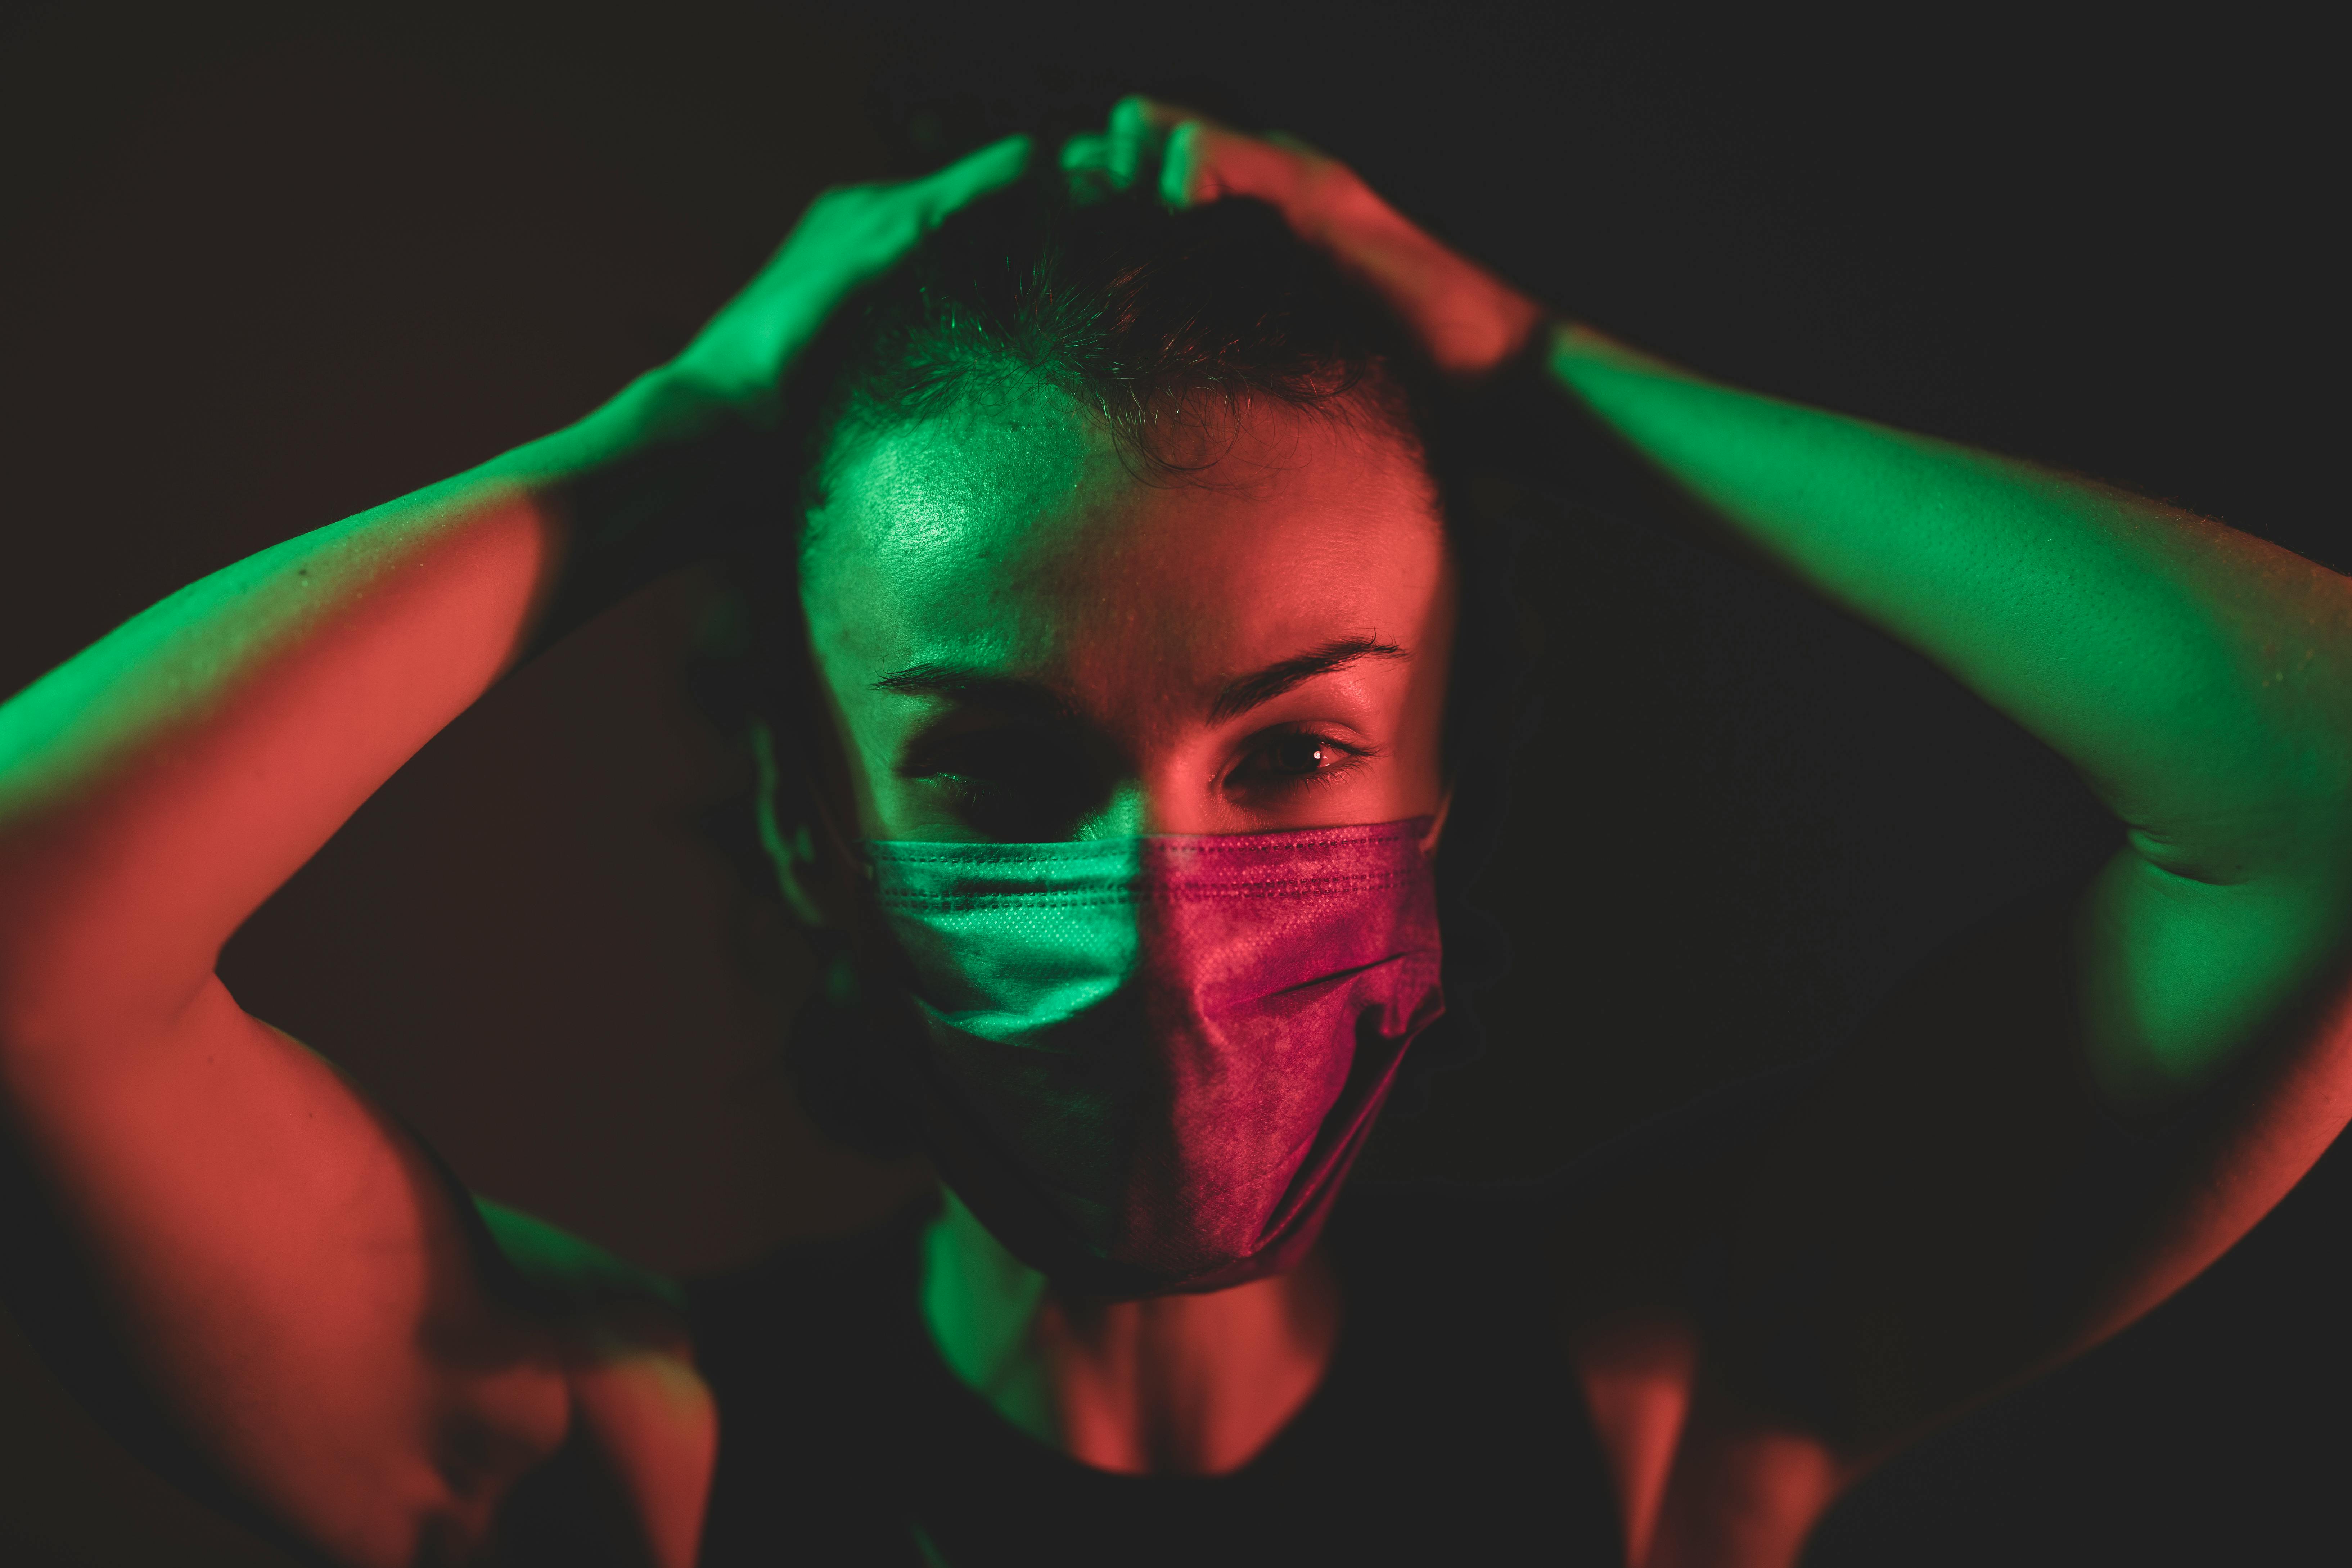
x=1437, y=822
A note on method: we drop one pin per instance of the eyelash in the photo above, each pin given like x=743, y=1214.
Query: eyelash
x=1351, y=757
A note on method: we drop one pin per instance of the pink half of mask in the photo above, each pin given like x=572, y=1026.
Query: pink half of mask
x=1148, y=1063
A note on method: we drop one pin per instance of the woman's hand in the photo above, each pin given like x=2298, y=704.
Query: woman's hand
x=1469, y=319
x=849, y=235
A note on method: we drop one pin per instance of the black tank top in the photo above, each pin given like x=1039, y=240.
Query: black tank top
x=1448, y=1428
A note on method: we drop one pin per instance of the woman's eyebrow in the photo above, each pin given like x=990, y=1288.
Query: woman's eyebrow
x=1248, y=691
x=1030, y=699
x=966, y=683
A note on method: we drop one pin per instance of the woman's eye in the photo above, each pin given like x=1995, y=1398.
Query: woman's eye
x=1014, y=783
x=1296, y=756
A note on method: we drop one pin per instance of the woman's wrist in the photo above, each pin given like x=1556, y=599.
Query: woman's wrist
x=1471, y=322
x=661, y=409
x=660, y=475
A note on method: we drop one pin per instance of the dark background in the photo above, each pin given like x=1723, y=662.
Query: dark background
x=265, y=267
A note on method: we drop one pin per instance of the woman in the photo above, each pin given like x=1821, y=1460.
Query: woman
x=1110, y=762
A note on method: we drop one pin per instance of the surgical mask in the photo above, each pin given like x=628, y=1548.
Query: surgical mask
x=1148, y=1063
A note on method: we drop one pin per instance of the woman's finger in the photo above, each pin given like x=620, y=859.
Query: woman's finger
x=1202, y=160
x=971, y=176
x=1184, y=175
x=1086, y=161
x=1150, y=115
x=1086, y=153
x=1138, y=133
x=1132, y=139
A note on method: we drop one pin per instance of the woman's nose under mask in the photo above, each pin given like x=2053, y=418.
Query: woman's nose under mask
x=1151, y=1061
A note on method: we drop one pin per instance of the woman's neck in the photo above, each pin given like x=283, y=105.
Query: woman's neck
x=1182, y=1384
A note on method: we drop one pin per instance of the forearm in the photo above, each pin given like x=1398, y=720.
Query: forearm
x=157, y=786
x=2201, y=679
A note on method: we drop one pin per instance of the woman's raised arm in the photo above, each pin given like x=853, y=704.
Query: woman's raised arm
x=2060, y=1119
x=1959, y=1205
x=281, y=1265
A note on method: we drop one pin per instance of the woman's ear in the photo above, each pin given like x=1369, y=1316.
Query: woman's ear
x=1436, y=821
x=793, y=854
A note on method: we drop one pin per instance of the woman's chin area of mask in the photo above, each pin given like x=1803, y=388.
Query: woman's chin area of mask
x=1026, y=633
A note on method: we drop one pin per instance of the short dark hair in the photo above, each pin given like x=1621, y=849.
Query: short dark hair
x=1144, y=316
x=1148, y=317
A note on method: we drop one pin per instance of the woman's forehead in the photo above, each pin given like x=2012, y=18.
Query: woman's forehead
x=1014, y=526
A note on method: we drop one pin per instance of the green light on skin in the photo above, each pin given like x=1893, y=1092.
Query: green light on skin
x=2198, y=679
x=2180, y=974
x=580, y=1273
x=980, y=1304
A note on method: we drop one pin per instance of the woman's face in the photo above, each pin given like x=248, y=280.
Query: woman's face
x=1021, y=641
